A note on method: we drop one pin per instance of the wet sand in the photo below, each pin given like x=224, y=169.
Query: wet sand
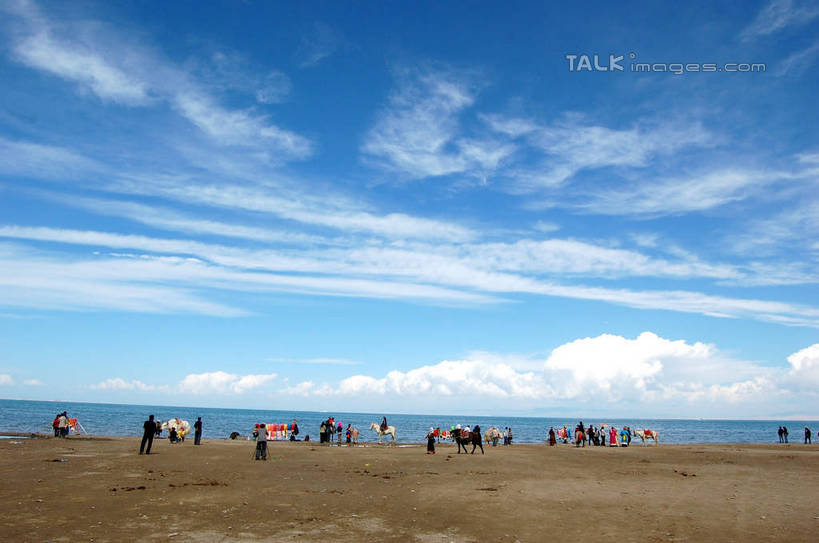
x=101, y=490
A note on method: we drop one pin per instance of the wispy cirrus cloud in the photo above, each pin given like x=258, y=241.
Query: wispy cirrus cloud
x=317, y=43
x=99, y=60
x=572, y=144
x=418, y=133
x=475, y=276
x=779, y=15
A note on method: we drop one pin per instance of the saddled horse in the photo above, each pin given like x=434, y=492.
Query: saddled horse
x=377, y=429
x=464, y=438
x=648, y=434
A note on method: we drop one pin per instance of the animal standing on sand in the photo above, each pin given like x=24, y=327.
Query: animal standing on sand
x=463, y=438
x=493, y=435
x=389, y=431
x=648, y=434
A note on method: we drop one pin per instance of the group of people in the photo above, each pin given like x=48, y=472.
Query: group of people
x=598, y=436
x=783, y=434
x=60, y=424
x=153, y=428
x=332, y=428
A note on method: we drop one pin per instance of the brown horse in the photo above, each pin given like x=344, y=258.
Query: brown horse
x=463, y=438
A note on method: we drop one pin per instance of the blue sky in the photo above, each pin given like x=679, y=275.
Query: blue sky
x=412, y=207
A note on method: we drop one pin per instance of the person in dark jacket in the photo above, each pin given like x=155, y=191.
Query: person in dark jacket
x=807, y=435
x=197, y=435
x=149, y=429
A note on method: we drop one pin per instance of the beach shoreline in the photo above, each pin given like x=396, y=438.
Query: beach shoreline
x=98, y=488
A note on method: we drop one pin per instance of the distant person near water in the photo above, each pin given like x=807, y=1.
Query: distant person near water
x=431, y=441
x=780, y=433
x=807, y=435
x=260, y=433
x=785, y=433
x=197, y=434
x=149, y=429
x=552, y=439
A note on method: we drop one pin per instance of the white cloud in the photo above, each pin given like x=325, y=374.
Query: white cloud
x=332, y=210
x=274, y=88
x=798, y=62
x=464, y=274
x=302, y=389
x=804, y=373
x=448, y=378
x=679, y=195
x=33, y=382
x=102, y=61
x=23, y=158
x=118, y=383
x=779, y=15
x=76, y=62
x=571, y=145
x=220, y=382
x=318, y=43
x=607, y=371
x=6, y=380
x=418, y=133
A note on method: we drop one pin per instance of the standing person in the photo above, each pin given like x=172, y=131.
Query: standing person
x=339, y=431
x=349, y=436
x=612, y=436
x=510, y=435
x=197, y=434
x=295, y=430
x=506, y=435
x=785, y=433
x=62, y=423
x=148, y=431
x=431, y=441
x=260, y=433
x=355, y=435
x=56, y=425
x=552, y=439
x=807, y=435
x=779, y=433
x=322, y=432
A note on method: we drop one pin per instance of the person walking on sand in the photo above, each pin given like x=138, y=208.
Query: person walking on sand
x=148, y=431
x=807, y=435
x=56, y=425
x=431, y=441
x=63, y=424
x=260, y=433
x=785, y=433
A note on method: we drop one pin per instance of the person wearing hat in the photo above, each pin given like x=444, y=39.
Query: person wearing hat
x=431, y=441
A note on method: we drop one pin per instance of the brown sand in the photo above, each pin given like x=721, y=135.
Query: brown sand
x=101, y=490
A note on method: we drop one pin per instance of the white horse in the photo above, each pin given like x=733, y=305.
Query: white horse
x=648, y=434
x=377, y=429
x=179, y=424
x=493, y=435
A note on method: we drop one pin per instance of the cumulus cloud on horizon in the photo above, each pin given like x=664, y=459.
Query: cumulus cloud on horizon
x=608, y=370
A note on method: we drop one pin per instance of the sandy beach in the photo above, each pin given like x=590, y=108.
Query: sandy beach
x=99, y=489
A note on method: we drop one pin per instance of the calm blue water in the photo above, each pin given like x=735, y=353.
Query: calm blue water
x=126, y=420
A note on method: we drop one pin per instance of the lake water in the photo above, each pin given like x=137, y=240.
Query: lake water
x=126, y=420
